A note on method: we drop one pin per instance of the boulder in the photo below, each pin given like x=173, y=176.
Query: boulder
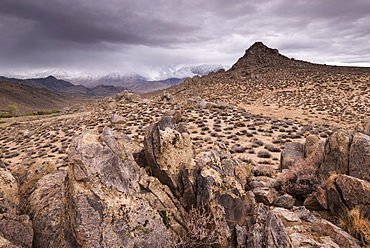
x=284, y=201
x=359, y=157
x=170, y=156
x=177, y=115
x=103, y=202
x=48, y=211
x=28, y=174
x=314, y=149
x=336, y=153
x=116, y=119
x=92, y=154
x=268, y=230
x=335, y=233
x=354, y=191
x=264, y=195
x=291, y=152
x=127, y=95
x=9, y=197
x=15, y=231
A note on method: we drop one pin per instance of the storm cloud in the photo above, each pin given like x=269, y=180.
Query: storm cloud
x=117, y=35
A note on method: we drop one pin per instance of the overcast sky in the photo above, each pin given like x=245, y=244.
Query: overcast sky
x=99, y=36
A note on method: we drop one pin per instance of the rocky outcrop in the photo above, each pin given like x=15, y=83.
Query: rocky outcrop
x=9, y=195
x=170, y=157
x=291, y=152
x=46, y=206
x=118, y=193
x=336, y=154
x=342, y=193
x=359, y=157
x=347, y=153
x=15, y=230
x=343, y=153
x=104, y=203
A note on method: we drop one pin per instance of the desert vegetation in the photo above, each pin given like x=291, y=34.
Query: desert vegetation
x=225, y=160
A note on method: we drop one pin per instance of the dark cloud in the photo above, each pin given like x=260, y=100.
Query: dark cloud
x=91, y=35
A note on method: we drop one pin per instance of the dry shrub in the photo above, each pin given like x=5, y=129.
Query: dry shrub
x=263, y=154
x=301, y=179
x=356, y=224
x=200, y=229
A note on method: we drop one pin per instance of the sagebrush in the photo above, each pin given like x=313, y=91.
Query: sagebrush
x=301, y=179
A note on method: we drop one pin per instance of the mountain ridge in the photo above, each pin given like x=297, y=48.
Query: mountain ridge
x=62, y=86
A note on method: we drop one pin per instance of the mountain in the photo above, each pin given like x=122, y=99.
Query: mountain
x=140, y=83
x=61, y=86
x=263, y=79
x=205, y=69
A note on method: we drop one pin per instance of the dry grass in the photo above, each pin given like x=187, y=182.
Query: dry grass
x=200, y=230
x=355, y=223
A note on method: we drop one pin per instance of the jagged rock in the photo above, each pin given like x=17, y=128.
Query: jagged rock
x=268, y=231
x=48, y=212
x=116, y=119
x=223, y=194
x=304, y=214
x=28, y=174
x=105, y=156
x=284, y=201
x=264, y=195
x=335, y=233
x=275, y=232
x=15, y=231
x=104, y=204
x=177, y=115
x=167, y=97
x=291, y=152
x=311, y=145
x=336, y=153
x=359, y=157
x=354, y=191
x=311, y=202
x=9, y=195
x=170, y=155
x=127, y=95
x=287, y=216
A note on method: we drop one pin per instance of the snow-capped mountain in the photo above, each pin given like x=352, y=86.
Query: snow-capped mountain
x=156, y=79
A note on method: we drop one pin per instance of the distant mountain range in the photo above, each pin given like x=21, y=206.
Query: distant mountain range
x=112, y=83
x=62, y=86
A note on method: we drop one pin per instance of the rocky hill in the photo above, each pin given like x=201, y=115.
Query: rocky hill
x=178, y=170
x=263, y=80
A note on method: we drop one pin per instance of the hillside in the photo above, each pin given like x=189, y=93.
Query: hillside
x=264, y=81
x=61, y=86
x=30, y=99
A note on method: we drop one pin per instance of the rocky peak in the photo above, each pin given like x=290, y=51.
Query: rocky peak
x=259, y=58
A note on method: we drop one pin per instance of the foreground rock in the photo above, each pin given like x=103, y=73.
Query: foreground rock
x=15, y=230
x=116, y=192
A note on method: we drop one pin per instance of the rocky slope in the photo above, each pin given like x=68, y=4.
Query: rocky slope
x=178, y=170
x=132, y=172
x=263, y=80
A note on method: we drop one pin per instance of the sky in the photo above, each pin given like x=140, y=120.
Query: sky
x=106, y=36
